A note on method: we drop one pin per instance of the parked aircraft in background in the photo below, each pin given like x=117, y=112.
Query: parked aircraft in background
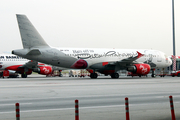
x=11, y=64
x=105, y=61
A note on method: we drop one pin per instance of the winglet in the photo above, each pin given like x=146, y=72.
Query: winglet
x=139, y=54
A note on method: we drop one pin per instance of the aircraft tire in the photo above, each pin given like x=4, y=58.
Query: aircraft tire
x=115, y=75
x=60, y=75
x=24, y=75
x=93, y=75
x=153, y=75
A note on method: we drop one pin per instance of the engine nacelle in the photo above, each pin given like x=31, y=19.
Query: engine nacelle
x=19, y=69
x=80, y=64
x=140, y=69
x=44, y=70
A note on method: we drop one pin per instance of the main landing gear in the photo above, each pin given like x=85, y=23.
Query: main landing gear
x=115, y=75
x=24, y=75
x=93, y=75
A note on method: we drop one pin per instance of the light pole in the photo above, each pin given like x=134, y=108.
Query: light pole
x=174, y=47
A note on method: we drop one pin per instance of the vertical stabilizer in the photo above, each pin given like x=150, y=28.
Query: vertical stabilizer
x=29, y=35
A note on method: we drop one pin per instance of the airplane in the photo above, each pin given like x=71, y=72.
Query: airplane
x=11, y=64
x=105, y=61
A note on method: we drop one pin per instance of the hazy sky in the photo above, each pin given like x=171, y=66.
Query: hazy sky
x=123, y=24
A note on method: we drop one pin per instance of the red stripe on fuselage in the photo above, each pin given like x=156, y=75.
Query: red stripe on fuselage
x=104, y=63
x=14, y=67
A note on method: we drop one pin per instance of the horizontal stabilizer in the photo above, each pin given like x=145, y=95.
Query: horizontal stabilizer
x=34, y=52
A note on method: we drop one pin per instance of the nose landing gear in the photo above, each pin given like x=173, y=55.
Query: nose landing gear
x=153, y=75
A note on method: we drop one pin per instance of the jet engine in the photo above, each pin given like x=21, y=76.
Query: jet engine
x=140, y=69
x=80, y=64
x=44, y=70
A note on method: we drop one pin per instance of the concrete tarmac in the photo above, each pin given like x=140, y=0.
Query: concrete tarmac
x=44, y=98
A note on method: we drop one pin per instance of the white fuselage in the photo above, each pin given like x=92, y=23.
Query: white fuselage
x=66, y=57
x=94, y=56
x=7, y=60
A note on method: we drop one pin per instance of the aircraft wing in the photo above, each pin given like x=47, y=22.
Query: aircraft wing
x=30, y=64
x=131, y=59
x=127, y=61
x=34, y=64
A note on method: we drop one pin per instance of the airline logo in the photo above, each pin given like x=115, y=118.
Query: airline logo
x=143, y=69
x=45, y=70
x=10, y=57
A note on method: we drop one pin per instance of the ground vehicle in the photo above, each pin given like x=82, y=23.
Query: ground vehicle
x=133, y=74
x=74, y=73
x=9, y=74
x=175, y=73
x=55, y=73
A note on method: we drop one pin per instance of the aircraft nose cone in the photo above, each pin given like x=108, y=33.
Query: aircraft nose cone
x=170, y=62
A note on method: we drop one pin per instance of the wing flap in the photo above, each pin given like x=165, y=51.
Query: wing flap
x=30, y=64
